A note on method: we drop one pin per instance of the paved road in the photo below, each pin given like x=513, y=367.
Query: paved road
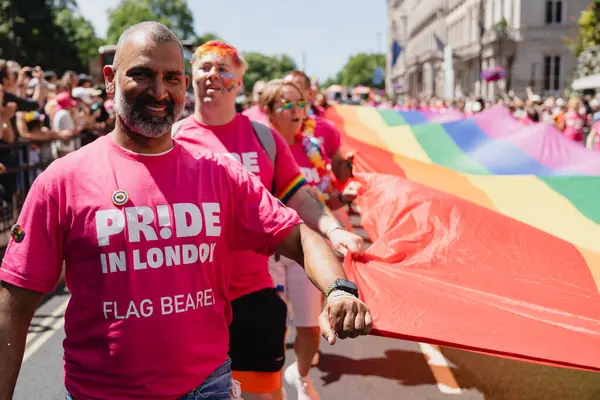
x=367, y=368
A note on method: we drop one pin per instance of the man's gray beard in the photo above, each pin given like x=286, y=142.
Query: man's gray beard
x=144, y=125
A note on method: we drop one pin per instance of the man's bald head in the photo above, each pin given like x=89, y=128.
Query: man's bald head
x=155, y=31
x=148, y=80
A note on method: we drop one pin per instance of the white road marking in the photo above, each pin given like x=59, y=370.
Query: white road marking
x=53, y=323
x=440, y=369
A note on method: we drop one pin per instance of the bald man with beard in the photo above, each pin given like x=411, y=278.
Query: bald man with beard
x=145, y=229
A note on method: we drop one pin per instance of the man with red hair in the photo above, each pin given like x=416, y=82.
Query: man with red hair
x=259, y=315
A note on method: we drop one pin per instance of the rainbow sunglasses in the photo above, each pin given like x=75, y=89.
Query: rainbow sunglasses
x=288, y=105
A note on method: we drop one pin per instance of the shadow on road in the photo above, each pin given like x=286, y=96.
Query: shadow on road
x=494, y=378
x=409, y=368
x=505, y=379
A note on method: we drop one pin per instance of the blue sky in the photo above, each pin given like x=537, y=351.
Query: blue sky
x=329, y=31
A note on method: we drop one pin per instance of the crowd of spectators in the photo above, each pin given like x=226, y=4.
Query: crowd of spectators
x=43, y=116
x=577, y=117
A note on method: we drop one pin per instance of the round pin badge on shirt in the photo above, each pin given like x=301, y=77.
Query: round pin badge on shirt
x=17, y=233
x=120, y=197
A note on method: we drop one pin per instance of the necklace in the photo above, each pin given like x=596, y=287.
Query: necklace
x=312, y=148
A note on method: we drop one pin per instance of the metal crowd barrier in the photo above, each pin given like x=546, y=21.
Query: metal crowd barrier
x=24, y=161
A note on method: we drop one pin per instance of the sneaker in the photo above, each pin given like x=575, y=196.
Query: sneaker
x=304, y=386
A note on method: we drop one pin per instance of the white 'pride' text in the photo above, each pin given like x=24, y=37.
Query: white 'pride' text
x=189, y=221
x=248, y=160
x=184, y=220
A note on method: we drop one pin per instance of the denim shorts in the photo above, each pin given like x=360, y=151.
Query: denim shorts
x=218, y=386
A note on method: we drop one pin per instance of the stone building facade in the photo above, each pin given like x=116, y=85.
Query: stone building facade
x=525, y=37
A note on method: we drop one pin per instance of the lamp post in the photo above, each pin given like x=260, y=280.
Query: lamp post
x=501, y=31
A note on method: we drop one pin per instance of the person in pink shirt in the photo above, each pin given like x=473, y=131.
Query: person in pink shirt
x=593, y=139
x=254, y=112
x=573, y=121
x=146, y=228
x=330, y=137
x=257, y=331
x=284, y=104
x=324, y=130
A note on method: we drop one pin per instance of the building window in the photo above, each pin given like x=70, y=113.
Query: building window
x=554, y=12
x=552, y=73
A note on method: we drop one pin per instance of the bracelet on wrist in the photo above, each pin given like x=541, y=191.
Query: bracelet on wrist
x=333, y=228
x=339, y=293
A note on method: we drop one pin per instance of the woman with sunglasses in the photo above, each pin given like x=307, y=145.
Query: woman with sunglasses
x=284, y=104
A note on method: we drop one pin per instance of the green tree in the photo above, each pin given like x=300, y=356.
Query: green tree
x=174, y=14
x=360, y=68
x=262, y=67
x=589, y=28
x=29, y=35
x=81, y=33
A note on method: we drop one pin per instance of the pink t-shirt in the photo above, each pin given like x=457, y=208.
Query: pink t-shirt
x=238, y=139
x=574, y=126
x=149, y=279
x=256, y=114
x=329, y=134
x=318, y=110
x=310, y=172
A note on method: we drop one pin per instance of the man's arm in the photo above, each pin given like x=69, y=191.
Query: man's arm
x=320, y=262
x=341, y=166
x=312, y=211
x=23, y=104
x=37, y=135
x=16, y=311
x=268, y=226
x=344, y=315
x=317, y=217
x=39, y=93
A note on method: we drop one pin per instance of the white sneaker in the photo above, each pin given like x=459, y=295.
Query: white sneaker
x=304, y=385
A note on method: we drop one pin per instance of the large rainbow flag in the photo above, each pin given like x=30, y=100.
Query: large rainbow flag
x=486, y=233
